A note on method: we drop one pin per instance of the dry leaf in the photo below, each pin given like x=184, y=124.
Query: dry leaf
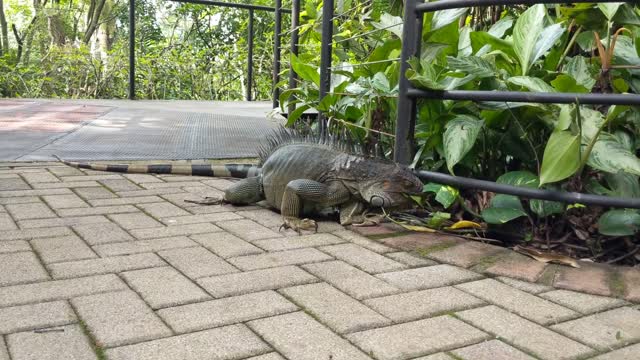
x=546, y=257
x=464, y=224
x=417, y=228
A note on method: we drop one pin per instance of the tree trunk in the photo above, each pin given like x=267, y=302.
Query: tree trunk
x=93, y=17
x=19, y=40
x=4, y=44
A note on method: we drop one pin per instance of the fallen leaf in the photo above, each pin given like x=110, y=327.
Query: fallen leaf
x=417, y=228
x=547, y=257
x=464, y=224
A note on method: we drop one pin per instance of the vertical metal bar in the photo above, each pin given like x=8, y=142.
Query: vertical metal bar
x=132, y=49
x=249, y=58
x=325, y=57
x=405, y=121
x=295, y=37
x=276, y=53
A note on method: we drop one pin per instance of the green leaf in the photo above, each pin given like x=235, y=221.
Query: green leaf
x=295, y=114
x=619, y=222
x=544, y=208
x=442, y=18
x=609, y=9
x=526, y=32
x=473, y=65
x=459, y=138
x=519, y=178
x=623, y=185
x=566, y=83
x=561, y=157
x=445, y=195
x=531, y=83
x=580, y=70
x=566, y=117
x=610, y=155
x=305, y=71
x=381, y=83
x=390, y=23
x=437, y=219
x=479, y=39
x=464, y=42
x=503, y=208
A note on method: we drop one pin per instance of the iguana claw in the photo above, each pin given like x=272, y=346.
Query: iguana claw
x=206, y=201
x=298, y=224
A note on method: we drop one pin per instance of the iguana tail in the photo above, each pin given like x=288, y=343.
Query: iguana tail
x=227, y=170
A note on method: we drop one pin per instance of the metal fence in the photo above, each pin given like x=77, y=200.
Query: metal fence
x=277, y=10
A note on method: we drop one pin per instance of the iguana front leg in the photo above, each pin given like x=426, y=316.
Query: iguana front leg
x=244, y=192
x=301, y=190
x=355, y=214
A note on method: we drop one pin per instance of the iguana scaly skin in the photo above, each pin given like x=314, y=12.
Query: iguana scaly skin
x=302, y=175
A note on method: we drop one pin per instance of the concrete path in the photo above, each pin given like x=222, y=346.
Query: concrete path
x=131, y=130
x=97, y=265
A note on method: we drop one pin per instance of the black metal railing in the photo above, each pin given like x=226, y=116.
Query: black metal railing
x=278, y=10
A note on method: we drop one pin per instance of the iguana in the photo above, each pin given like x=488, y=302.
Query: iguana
x=302, y=175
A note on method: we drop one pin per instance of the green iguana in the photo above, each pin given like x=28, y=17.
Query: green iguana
x=302, y=175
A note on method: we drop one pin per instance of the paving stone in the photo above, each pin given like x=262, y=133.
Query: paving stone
x=119, y=318
x=491, y=350
x=525, y=285
x=519, y=302
x=298, y=242
x=162, y=209
x=35, y=316
x=610, y=329
x=298, y=336
x=20, y=193
x=362, y=258
x=20, y=268
x=421, y=304
x=4, y=353
x=176, y=230
x=209, y=209
x=98, y=266
x=163, y=185
x=13, y=184
x=59, y=289
x=142, y=178
x=417, y=338
x=583, y=303
x=124, y=201
x=438, y=356
x=136, y=220
x=99, y=210
x=163, y=287
x=229, y=342
x=429, y=277
x=517, y=266
x=265, y=217
x=30, y=211
x=466, y=254
x=231, y=310
x=220, y=184
x=257, y=280
x=119, y=184
x=66, y=248
x=6, y=222
x=201, y=218
x=593, y=279
x=102, y=233
x=65, y=201
x=68, y=221
x=627, y=353
x=364, y=242
x=248, y=230
x=65, y=171
x=373, y=230
x=410, y=259
x=19, y=200
x=226, y=245
x=40, y=177
x=14, y=246
x=421, y=241
x=351, y=280
x=197, y=262
x=70, y=343
x=98, y=192
x=269, y=356
x=28, y=234
x=524, y=334
x=281, y=258
x=138, y=193
x=143, y=246
x=631, y=278
x=59, y=185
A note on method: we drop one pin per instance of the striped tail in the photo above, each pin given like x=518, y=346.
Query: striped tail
x=239, y=171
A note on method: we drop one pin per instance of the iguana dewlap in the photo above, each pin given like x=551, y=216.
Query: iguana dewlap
x=302, y=175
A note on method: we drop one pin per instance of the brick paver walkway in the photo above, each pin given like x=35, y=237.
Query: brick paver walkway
x=99, y=265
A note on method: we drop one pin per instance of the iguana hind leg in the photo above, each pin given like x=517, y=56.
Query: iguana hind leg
x=300, y=191
x=244, y=192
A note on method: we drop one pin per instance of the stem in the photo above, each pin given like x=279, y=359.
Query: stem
x=572, y=41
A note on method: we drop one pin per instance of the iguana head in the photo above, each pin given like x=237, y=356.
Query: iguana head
x=390, y=187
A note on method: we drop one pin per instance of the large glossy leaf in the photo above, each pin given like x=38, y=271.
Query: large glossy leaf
x=445, y=195
x=503, y=208
x=561, y=157
x=530, y=39
x=610, y=155
x=464, y=42
x=390, y=23
x=609, y=9
x=623, y=185
x=580, y=70
x=305, y=71
x=480, y=40
x=459, y=138
x=567, y=84
x=473, y=65
x=442, y=18
x=531, y=83
x=619, y=222
x=544, y=208
x=545, y=41
x=519, y=178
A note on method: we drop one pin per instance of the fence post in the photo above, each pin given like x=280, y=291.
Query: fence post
x=295, y=22
x=405, y=120
x=249, y=58
x=325, y=58
x=276, y=54
x=132, y=49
